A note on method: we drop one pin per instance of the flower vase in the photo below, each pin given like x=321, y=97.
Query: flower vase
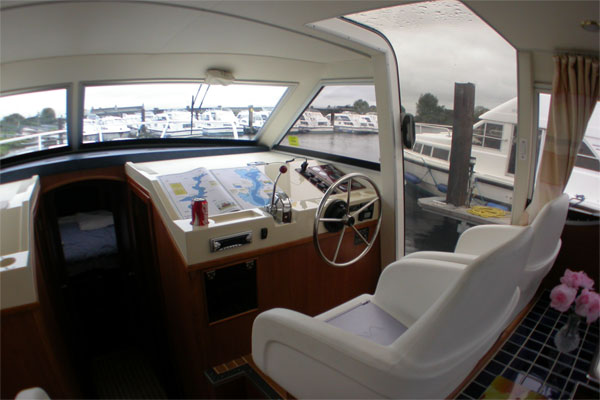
x=567, y=338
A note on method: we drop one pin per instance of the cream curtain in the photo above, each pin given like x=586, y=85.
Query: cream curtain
x=575, y=91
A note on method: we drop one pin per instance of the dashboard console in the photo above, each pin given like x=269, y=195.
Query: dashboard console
x=237, y=189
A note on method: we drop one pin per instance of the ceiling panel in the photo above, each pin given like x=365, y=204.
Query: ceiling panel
x=541, y=25
x=67, y=28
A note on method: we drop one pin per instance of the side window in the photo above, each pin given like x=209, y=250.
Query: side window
x=426, y=150
x=488, y=135
x=493, y=136
x=586, y=158
x=478, y=134
x=584, y=182
x=341, y=120
x=442, y=154
x=446, y=34
x=32, y=122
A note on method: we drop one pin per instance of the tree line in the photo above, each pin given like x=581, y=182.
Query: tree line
x=430, y=111
x=14, y=123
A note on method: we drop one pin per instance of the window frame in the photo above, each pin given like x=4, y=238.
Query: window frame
x=210, y=141
x=376, y=166
x=40, y=154
x=485, y=137
x=75, y=116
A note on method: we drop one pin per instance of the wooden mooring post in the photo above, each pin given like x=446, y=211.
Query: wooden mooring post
x=462, y=136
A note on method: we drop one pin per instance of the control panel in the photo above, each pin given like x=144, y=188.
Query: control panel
x=366, y=214
x=323, y=176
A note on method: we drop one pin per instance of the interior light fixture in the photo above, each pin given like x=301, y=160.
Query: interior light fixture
x=219, y=77
x=590, y=25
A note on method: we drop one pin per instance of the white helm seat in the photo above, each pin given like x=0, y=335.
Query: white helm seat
x=445, y=315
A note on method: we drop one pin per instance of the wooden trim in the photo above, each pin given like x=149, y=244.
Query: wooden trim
x=52, y=182
x=138, y=189
x=254, y=310
x=19, y=309
x=280, y=391
x=247, y=360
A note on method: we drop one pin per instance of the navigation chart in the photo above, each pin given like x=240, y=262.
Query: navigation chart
x=248, y=185
x=183, y=188
x=226, y=190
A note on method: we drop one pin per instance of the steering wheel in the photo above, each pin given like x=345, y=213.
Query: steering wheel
x=338, y=218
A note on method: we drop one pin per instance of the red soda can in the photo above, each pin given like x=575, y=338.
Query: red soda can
x=199, y=212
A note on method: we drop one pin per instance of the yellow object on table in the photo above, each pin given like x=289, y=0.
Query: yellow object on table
x=486, y=212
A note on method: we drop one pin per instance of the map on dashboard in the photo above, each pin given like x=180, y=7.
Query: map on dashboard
x=226, y=190
x=248, y=185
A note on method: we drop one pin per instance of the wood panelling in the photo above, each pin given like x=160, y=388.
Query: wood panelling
x=291, y=276
x=109, y=173
x=185, y=315
x=29, y=357
x=33, y=351
x=283, y=279
x=580, y=251
x=230, y=339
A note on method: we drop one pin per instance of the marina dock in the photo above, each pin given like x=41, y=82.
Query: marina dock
x=438, y=205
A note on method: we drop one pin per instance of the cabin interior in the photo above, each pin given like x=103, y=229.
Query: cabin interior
x=109, y=289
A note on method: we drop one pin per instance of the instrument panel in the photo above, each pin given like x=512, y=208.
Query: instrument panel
x=323, y=176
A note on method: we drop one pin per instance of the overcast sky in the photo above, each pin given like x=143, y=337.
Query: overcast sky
x=440, y=43
x=344, y=95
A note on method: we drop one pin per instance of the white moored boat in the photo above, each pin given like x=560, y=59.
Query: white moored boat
x=312, y=121
x=493, y=147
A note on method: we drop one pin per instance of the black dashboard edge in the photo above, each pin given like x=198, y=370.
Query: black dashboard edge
x=100, y=159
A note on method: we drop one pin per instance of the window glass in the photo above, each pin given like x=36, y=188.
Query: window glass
x=438, y=44
x=341, y=120
x=177, y=110
x=33, y=122
x=478, y=134
x=584, y=182
x=442, y=154
x=426, y=150
x=493, y=136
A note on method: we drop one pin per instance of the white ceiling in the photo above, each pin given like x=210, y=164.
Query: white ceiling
x=52, y=28
x=30, y=30
x=550, y=25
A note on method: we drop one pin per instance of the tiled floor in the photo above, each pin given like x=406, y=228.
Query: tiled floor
x=530, y=358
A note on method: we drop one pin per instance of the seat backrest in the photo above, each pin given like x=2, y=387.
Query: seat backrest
x=547, y=228
x=471, y=312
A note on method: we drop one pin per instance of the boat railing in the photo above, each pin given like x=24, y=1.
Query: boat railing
x=422, y=127
x=38, y=141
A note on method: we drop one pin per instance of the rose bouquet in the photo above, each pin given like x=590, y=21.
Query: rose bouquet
x=575, y=295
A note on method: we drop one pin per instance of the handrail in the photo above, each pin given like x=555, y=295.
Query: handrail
x=28, y=147
x=35, y=135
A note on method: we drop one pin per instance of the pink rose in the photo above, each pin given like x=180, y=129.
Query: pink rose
x=588, y=305
x=577, y=279
x=585, y=281
x=583, y=302
x=570, y=279
x=562, y=297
